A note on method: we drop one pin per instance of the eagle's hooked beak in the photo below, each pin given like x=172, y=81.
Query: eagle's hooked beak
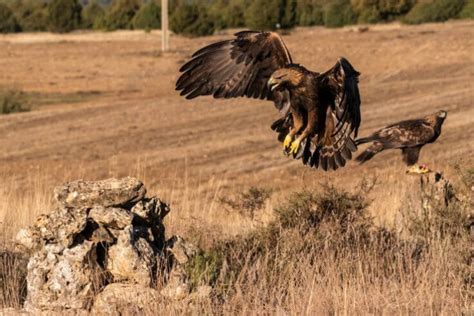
x=273, y=83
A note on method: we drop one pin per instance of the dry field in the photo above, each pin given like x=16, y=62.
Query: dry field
x=115, y=113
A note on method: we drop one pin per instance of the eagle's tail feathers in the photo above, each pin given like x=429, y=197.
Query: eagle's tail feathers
x=364, y=140
x=370, y=152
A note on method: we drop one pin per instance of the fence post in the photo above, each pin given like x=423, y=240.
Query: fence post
x=164, y=26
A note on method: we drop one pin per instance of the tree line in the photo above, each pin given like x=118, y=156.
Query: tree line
x=204, y=17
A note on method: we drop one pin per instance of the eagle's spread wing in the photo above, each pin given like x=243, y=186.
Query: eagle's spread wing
x=236, y=68
x=340, y=84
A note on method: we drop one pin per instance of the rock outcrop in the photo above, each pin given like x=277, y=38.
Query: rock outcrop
x=103, y=248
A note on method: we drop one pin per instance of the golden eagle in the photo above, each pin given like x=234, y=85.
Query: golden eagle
x=409, y=136
x=320, y=111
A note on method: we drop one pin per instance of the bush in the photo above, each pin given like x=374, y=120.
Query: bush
x=120, y=14
x=339, y=13
x=12, y=102
x=468, y=11
x=148, y=17
x=92, y=16
x=191, y=20
x=247, y=202
x=64, y=15
x=32, y=15
x=436, y=11
x=8, y=22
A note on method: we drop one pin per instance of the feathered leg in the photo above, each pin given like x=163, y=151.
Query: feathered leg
x=295, y=146
x=298, y=123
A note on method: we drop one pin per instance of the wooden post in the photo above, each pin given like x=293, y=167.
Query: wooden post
x=164, y=26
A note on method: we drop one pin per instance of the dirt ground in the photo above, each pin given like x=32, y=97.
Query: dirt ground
x=133, y=122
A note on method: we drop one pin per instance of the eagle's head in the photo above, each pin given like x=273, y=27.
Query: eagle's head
x=285, y=78
x=437, y=119
x=442, y=114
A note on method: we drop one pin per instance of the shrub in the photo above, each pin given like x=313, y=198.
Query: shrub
x=467, y=11
x=435, y=11
x=64, y=15
x=338, y=14
x=32, y=15
x=8, y=22
x=247, y=202
x=12, y=102
x=120, y=14
x=148, y=17
x=191, y=20
x=92, y=15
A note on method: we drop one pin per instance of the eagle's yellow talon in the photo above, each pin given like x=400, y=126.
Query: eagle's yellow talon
x=295, y=146
x=287, y=142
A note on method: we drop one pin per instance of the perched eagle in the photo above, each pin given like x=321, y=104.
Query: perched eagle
x=320, y=111
x=409, y=136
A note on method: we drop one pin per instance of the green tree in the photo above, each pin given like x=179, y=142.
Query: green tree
x=372, y=11
x=148, y=17
x=92, y=15
x=435, y=11
x=339, y=13
x=191, y=19
x=262, y=15
x=64, y=15
x=467, y=11
x=309, y=12
x=228, y=13
x=120, y=14
x=32, y=15
x=287, y=16
x=8, y=22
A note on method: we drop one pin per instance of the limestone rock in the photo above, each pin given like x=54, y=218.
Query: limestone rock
x=151, y=210
x=181, y=250
x=177, y=287
x=106, y=193
x=111, y=217
x=61, y=226
x=62, y=281
x=27, y=238
x=104, y=232
x=124, y=299
x=132, y=258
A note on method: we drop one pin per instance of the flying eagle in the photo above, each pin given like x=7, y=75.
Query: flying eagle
x=409, y=136
x=320, y=111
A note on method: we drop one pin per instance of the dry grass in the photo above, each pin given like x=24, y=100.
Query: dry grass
x=320, y=253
